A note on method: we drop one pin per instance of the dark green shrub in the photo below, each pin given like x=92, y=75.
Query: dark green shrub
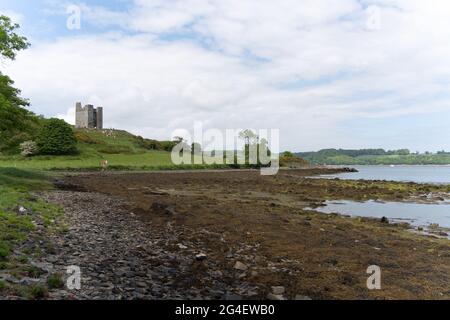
x=168, y=145
x=55, y=281
x=149, y=144
x=56, y=138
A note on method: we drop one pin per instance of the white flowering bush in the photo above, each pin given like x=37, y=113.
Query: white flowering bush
x=28, y=148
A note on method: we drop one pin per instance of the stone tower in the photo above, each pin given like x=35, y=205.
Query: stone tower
x=88, y=117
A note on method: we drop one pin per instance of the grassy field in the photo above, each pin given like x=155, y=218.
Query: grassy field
x=123, y=151
x=89, y=161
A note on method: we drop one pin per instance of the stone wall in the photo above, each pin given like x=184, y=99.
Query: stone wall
x=88, y=117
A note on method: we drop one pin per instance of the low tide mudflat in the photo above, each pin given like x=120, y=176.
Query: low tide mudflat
x=241, y=233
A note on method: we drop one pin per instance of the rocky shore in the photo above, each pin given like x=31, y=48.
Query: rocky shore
x=229, y=235
x=122, y=257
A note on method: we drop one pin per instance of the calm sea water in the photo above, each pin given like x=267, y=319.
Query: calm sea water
x=420, y=174
x=417, y=214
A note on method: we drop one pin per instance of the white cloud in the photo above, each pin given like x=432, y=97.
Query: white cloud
x=301, y=66
x=15, y=16
x=69, y=116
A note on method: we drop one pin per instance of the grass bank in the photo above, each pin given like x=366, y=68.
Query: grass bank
x=122, y=150
x=24, y=222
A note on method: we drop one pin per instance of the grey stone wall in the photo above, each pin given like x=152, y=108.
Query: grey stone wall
x=99, y=121
x=88, y=117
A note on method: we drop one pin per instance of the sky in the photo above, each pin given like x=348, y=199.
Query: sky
x=328, y=74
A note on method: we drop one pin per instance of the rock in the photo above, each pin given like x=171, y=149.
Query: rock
x=8, y=278
x=217, y=274
x=201, y=257
x=232, y=296
x=384, y=220
x=278, y=290
x=29, y=281
x=305, y=223
x=240, y=266
x=125, y=258
x=272, y=296
x=163, y=208
x=47, y=267
x=301, y=297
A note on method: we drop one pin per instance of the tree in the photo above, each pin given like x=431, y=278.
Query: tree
x=15, y=122
x=248, y=136
x=196, y=148
x=254, y=147
x=11, y=112
x=56, y=138
x=181, y=144
x=10, y=41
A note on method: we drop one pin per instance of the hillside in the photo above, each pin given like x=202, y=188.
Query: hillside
x=374, y=157
x=123, y=150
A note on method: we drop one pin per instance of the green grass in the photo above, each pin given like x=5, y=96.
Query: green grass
x=55, y=281
x=34, y=292
x=15, y=188
x=120, y=148
x=123, y=151
x=88, y=161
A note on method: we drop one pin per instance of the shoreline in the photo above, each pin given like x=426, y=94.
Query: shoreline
x=233, y=235
x=268, y=214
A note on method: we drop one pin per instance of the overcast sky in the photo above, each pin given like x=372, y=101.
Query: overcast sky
x=327, y=73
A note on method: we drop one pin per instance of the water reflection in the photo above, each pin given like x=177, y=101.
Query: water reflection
x=427, y=216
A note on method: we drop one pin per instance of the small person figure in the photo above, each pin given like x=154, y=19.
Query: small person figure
x=104, y=165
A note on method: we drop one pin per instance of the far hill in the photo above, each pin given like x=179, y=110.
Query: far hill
x=374, y=157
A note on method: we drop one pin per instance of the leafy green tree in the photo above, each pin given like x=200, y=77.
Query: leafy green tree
x=12, y=114
x=254, y=148
x=248, y=136
x=16, y=123
x=288, y=154
x=56, y=138
x=10, y=41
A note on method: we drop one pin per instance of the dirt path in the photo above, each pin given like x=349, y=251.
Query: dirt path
x=137, y=235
